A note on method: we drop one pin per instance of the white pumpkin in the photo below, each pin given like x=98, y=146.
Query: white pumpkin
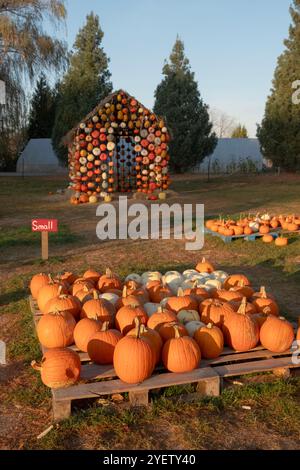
x=164, y=302
x=266, y=217
x=187, y=316
x=221, y=275
x=254, y=226
x=151, y=308
x=112, y=298
x=150, y=276
x=190, y=273
x=193, y=326
x=214, y=283
x=134, y=277
x=173, y=280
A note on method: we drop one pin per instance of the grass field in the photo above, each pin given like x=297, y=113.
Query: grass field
x=273, y=422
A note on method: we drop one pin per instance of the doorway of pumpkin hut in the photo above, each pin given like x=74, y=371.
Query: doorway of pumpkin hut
x=124, y=159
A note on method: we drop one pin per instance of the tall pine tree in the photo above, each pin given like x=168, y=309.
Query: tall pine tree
x=178, y=99
x=85, y=84
x=42, y=110
x=279, y=132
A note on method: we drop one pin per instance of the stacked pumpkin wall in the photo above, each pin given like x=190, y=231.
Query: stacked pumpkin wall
x=120, y=147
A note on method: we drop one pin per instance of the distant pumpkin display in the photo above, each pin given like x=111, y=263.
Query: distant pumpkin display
x=121, y=146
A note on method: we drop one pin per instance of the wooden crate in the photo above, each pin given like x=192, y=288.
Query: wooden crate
x=97, y=381
x=247, y=238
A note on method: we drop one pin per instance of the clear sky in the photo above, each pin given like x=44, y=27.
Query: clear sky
x=232, y=45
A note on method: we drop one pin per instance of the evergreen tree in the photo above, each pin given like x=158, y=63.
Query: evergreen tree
x=42, y=110
x=279, y=132
x=86, y=82
x=240, y=132
x=178, y=100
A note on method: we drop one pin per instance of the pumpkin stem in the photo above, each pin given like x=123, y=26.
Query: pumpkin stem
x=210, y=326
x=195, y=285
x=105, y=326
x=267, y=310
x=59, y=290
x=124, y=293
x=282, y=318
x=203, y=260
x=108, y=273
x=243, y=306
x=180, y=292
x=177, y=332
x=36, y=366
x=95, y=294
x=263, y=292
x=137, y=323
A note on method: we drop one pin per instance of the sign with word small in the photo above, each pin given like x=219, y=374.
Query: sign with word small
x=44, y=226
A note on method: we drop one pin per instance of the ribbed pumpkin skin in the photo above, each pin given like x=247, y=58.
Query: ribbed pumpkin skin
x=106, y=283
x=84, y=331
x=154, y=339
x=210, y=341
x=80, y=284
x=102, y=345
x=298, y=334
x=83, y=295
x=125, y=318
x=134, y=360
x=181, y=354
x=159, y=318
x=60, y=368
x=100, y=309
x=56, y=330
x=184, y=302
x=227, y=295
x=198, y=292
x=38, y=281
x=215, y=311
x=235, y=279
x=266, y=306
x=92, y=276
x=205, y=267
x=276, y=335
x=64, y=303
x=241, y=332
x=158, y=293
x=260, y=319
x=166, y=331
x=48, y=292
x=129, y=300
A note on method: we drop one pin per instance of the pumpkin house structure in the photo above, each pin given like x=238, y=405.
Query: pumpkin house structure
x=120, y=147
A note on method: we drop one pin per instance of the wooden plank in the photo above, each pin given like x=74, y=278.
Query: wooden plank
x=254, y=367
x=117, y=386
x=210, y=387
x=258, y=354
x=95, y=371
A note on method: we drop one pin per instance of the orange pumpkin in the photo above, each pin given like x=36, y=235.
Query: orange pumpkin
x=181, y=353
x=134, y=358
x=102, y=344
x=38, y=281
x=235, y=279
x=163, y=315
x=264, y=304
x=64, y=303
x=55, y=330
x=277, y=334
x=125, y=318
x=84, y=331
x=99, y=309
x=182, y=302
x=92, y=276
x=59, y=367
x=210, y=340
x=240, y=330
x=215, y=311
x=152, y=336
x=167, y=330
x=47, y=292
x=109, y=281
x=281, y=241
x=205, y=267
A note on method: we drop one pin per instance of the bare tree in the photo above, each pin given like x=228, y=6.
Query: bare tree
x=224, y=124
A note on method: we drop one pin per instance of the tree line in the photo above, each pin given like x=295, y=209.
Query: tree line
x=27, y=51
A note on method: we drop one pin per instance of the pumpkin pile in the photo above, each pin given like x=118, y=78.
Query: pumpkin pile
x=136, y=323
x=263, y=224
x=120, y=147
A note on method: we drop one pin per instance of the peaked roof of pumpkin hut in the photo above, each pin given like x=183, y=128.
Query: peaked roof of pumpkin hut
x=68, y=138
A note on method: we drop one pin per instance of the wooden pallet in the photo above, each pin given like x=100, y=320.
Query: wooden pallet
x=97, y=381
x=247, y=238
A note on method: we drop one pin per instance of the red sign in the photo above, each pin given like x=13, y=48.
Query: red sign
x=44, y=225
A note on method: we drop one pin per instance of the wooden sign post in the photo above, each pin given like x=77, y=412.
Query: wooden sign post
x=44, y=226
